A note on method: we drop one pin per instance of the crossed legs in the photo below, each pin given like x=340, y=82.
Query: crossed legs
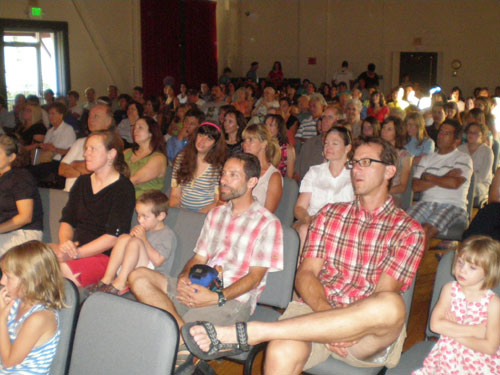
x=373, y=323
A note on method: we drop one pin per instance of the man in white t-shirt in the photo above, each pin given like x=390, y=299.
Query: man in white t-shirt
x=443, y=177
x=344, y=75
x=73, y=164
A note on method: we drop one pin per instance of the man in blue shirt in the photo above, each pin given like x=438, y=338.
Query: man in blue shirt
x=175, y=145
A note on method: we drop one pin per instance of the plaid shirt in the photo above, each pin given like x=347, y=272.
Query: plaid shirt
x=252, y=239
x=358, y=245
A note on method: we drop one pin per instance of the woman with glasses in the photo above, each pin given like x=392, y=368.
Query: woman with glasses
x=482, y=157
x=325, y=183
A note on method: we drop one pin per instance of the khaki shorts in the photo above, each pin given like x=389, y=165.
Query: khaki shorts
x=233, y=311
x=389, y=357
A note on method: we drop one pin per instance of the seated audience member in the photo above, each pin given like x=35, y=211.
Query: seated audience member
x=311, y=151
x=98, y=211
x=211, y=108
x=194, y=98
x=370, y=77
x=241, y=103
x=397, y=101
x=205, y=92
x=222, y=113
x=138, y=95
x=35, y=100
x=443, y=178
x=146, y=158
x=378, y=108
x=438, y=116
x=353, y=109
x=135, y=110
x=74, y=109
x=177, y=122
x=192, y=120
x=482, y=158
x=257, y=140
x=484, y=104
x=196, y=172
x=487, y=220
x=21, y=216
x=17, y=110
x=150, y=244
x=370, y=127
x=275, y=76
x=152, y=108
x=72, y=165
x=308, y=125
x=419, y=144
x=121, y=113
x=276, y=126
x=7, y=119
x=451, y=111
x=113, y=96
x=267, y=101
x=56, y=143
x=182, y=96
x=456, y=96
x=291, y=122
x=234, y=123
x=91, y=100
x=351, y=306
x=329, y=182
x=302, y=108
x=223, y=242
x=394, y=132
x=252, y=73
x=31, y=130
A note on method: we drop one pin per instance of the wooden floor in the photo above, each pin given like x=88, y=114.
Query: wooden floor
x=416, y=324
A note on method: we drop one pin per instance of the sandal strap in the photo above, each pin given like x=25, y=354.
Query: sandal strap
x=241, y=335
x=215, y=344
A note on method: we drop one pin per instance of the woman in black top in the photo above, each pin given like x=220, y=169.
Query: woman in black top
x=99, y=210
x=21, y=216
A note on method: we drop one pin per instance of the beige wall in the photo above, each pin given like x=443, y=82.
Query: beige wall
x=362, y=31
x=104, y=39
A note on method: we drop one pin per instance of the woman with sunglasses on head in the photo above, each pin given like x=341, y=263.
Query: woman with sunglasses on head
x=325, y=183
x=196, y=172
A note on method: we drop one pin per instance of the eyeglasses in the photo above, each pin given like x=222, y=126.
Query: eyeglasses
x=363, y=163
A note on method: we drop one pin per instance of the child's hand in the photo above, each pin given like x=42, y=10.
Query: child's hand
x=5, y=304
x=450, y=316
x=139, y=232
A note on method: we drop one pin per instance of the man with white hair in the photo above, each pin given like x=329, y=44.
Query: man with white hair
x=308, y=125
x=353, y=116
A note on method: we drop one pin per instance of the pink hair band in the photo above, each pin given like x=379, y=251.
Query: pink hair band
x=212, y=124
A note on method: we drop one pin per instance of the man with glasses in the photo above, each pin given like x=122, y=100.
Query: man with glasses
x=443, y=177
x=358, y=258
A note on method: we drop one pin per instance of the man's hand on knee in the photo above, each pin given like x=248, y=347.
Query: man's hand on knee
x=340, y=348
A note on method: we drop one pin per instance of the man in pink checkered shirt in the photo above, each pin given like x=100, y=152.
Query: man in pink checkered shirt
x=358, y=259
x=242, y=237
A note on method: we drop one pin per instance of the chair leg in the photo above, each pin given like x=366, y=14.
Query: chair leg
x=247, y=369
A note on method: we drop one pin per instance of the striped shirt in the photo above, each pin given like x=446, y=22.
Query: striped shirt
x=199, y=192
x=307, y=128
x=252, y=239
x=358, y=245
x=37, y=361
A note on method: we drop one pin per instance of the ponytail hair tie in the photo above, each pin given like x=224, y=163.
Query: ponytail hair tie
x=212, y=124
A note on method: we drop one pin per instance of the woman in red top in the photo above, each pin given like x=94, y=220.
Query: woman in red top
x=378, y=108
x=275, y=76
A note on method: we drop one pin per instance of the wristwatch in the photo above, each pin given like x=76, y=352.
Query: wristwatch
x=222, y=298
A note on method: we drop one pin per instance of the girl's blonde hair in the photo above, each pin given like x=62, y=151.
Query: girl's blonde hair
x=36, y=113
x=262, y=133
x=419, y=119
x=484, y=252
x=36, y=265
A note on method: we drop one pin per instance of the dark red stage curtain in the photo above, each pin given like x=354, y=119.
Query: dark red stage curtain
x=179, y=39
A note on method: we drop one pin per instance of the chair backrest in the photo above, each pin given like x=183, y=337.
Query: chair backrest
x=187, y=226
x=168, y=180
x=495, y=147
x=407, y=196
x=285, y=209
x=443, y=276
x=117, y=336
x=67, y=323
x=53, y=202
x=470, y=195
x=279, y=285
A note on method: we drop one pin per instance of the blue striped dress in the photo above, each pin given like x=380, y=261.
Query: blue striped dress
x=37, y=361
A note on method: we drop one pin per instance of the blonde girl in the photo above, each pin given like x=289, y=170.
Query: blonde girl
x=33, y=291
x=257, y=140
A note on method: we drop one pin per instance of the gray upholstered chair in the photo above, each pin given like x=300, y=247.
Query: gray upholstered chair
x=117, y=336
x=53, y=202
x=67, y=323
x=285, y=209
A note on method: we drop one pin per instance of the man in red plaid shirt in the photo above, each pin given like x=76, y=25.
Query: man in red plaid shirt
x=358, y=259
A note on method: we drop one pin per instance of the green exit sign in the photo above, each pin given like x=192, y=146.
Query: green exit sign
x=36, y=12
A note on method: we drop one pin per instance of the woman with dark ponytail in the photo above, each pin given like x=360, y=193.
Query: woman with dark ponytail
x=98, y=211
